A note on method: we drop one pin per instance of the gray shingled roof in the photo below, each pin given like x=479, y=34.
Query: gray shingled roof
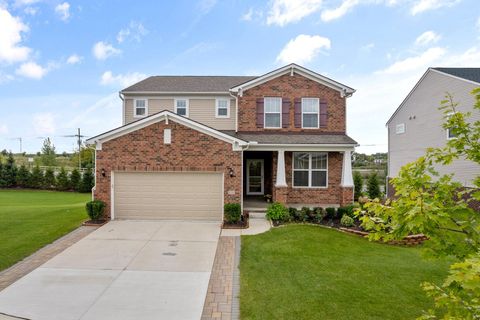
x=472, y=74
x=292, y=138
x=188, y=83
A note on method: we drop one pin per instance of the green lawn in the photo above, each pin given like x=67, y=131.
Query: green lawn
x=31, y=219
x=310, y=272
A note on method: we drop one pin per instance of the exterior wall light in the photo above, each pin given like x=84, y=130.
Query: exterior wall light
x=103, y=173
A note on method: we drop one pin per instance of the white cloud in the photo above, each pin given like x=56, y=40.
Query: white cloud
x=122, y=80
x=103, y=50
x=340, y=11
x=427, y=5
x=426, y=38
x=134, y=31
x=478, y=24
x=206, y=6
x=32, y=70
x=303, y=49
x=3, y=129
x=4, y=77
x=30, y=11
x=423, y=60
x=74, y=59
x=19, y=3
x=368, y=47
x=248, y=16
x=63, y=11
x=10, y=38
x=44, y=123
x=283, y=12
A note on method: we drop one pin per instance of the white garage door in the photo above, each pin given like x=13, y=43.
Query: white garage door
x=168, y=195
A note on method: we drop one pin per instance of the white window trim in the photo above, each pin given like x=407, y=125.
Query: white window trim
x=404, y=128
x=448, y=129
x=310, y=170
x=265, y=113
x=317, y=113
x=135, y=115
x=217, y=107
x=187, y=106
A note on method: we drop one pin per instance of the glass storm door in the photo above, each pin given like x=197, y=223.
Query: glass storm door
x=254, y=176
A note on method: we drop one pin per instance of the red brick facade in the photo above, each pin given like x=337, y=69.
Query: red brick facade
x=190, y=150
x=292, y=87
x=334, y=194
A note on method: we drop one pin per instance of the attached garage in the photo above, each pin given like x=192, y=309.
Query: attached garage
x=167, y=195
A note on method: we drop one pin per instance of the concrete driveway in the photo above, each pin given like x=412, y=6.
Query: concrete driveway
x=124, y=270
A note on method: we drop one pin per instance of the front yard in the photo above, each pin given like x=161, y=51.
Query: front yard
x=311, y=272
x=30, y=220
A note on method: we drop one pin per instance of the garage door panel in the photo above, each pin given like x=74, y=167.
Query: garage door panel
x=168, y=195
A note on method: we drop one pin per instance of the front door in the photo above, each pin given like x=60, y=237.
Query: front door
x=254, y=176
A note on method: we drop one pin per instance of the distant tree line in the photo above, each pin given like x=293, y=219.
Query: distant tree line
x=12, y=176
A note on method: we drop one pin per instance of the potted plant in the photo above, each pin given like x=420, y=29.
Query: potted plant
x=268, y=198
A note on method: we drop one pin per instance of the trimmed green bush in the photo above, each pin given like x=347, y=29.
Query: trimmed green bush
x=277, y=212
x=318, y=214
x=358, y=183
x=331, y=213
x=347, y=221
x=23, y=177
x=36, y=178
x=63, y=183
x=232, y=212
x=95, y=209
x=305, y=214
x=75, y=180
x=87, y=182
x=49, y=179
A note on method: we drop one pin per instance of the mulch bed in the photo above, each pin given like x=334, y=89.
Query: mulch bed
x=242, y=224
x=94, y=223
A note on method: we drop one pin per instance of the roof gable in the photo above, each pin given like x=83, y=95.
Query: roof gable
x=163, y=116
x=470, y=74
x=294, y=69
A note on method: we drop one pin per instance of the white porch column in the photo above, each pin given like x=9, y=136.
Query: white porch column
x=347, y=177
x=281, y=181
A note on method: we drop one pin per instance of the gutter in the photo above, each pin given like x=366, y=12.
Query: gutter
x=122, y=97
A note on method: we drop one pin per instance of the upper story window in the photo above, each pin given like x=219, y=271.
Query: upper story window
x=181, y=107
x=400, y=128
x=222, y=108
x=451, y=131
x=140, y=107
x=310, y=169
x=273, y=112
x=310, y=112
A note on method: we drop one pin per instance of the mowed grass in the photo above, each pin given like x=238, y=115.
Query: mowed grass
x=30, y=220
x=310, y=272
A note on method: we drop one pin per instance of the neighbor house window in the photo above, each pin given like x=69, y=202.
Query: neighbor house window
x=181, y=107
x=310, y=112
x=400, y=128
x=451, y=131
x=222, y=108
x=310, y=169
x=273, y=112
x=140, y=108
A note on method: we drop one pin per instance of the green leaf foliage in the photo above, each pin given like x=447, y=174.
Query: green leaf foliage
x=277, y=212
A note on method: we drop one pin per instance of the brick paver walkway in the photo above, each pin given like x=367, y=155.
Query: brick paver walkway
x=220, y=295
x=18, y=270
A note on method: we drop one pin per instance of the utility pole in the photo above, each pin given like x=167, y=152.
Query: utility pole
x=79, y=142
x=20, y=141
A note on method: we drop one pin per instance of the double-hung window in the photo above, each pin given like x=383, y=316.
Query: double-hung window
x=310, y=169
x=222, y=108
x=273, y=112
x=451, y=131
x=181, y=107
x=140, y=107
x=310, y=112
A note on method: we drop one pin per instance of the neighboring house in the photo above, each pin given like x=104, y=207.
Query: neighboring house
x=417, y=123
x=189, y=144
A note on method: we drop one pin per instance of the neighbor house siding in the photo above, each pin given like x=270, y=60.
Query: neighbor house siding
x=423, y=125
x=201, y=109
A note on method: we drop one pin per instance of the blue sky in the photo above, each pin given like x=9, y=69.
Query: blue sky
x=63, y=63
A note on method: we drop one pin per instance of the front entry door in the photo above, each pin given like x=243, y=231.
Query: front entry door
x=254, y=176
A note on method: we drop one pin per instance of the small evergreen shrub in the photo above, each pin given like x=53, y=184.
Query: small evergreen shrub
x=75, y=180
x=36, y=178
x=358, y=183
x=95, y=209
x=347, y=221
x=331, y=213
x=63, y=183
x=277, y=212
x=87, y=182
x=23, y=177
x=318, y=214
x=49, y=179
x=305, y=214
x=232, y=212
x=293, y=214
x=373, y=186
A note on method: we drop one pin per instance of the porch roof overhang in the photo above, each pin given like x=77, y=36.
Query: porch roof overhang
x=300, y=147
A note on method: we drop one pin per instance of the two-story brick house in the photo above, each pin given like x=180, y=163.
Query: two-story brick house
x=189, y=144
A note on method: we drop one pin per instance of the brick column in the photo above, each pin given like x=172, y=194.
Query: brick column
x=280, y=194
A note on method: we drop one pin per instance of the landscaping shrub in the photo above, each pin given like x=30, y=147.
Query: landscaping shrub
x=75, y=180
x=49, y=179
x=277, y=212
x=373, y=186
x=8, y=172
x=294, y=214
x=350, y=210
x=95, y=209
x=341, y=211
x=331, y=213
x=318, y=214
x=63, y=183
x=36, y=179
x=358, y=183
x=232, y=212
x=23, y=177
x=305, y=214
x=347, y=221
x=87, y=182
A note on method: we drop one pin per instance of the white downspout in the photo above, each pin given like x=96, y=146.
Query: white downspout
x=123, y=107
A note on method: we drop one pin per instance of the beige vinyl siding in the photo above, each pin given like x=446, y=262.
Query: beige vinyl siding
x=168, y=195
x=423, y=125
x=201, y=109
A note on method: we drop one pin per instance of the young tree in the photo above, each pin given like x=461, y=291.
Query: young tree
x=36, y=179
x=48, y=156
x=23, y=177
x=75, y=179
x=3, y=183
x=373, y=187
x=358, y=183
x=49, y=179
x=87, y=182
x=10, y=171
x=433, y=205
x=63, y=183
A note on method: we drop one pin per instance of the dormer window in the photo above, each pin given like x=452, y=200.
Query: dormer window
x=140, y=108
x=181, y=107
